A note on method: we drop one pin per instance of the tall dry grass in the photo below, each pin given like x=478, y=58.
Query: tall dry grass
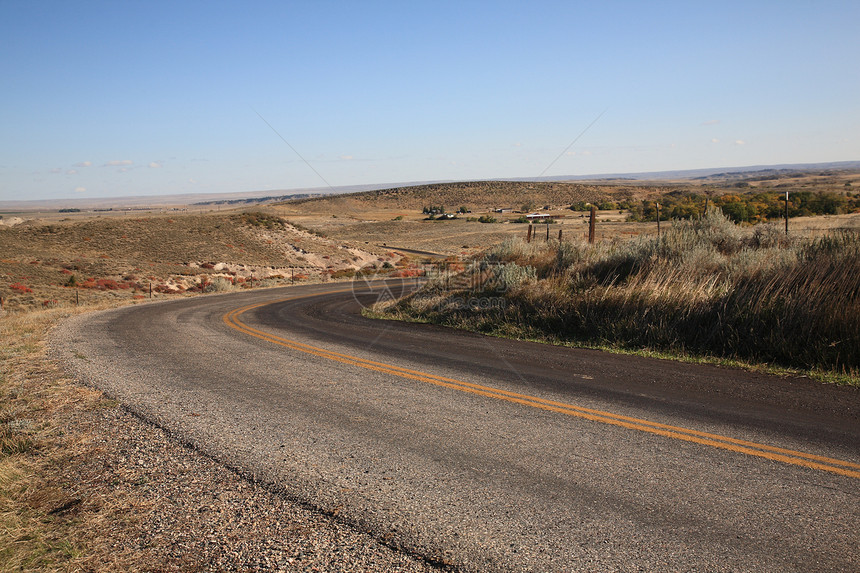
x=705, y=287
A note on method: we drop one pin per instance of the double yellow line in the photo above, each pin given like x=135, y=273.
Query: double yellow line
x=850, y=469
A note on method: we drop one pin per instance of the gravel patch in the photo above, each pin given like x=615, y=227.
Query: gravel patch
x=185, y=512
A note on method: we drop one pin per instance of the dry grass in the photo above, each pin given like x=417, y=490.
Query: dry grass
x=44, y=523
x=704, y=288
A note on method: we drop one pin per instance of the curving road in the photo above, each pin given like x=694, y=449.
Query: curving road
x=492, y=454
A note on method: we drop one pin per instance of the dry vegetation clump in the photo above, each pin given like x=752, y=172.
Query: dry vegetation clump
x=706, y=287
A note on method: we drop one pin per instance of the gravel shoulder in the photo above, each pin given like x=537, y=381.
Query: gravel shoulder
x=191, y=513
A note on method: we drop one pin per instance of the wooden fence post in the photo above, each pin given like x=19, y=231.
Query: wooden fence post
x=559, y=235
x=591, y=224
x=658, y=217
x=529, y=235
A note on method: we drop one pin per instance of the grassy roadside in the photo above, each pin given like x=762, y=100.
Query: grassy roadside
x=706, y=290
x=47, y=523
x=388, y=312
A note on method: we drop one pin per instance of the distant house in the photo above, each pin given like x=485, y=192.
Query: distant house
x=503, y=210
x=538, y=216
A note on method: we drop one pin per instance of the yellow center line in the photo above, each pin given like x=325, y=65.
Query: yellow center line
x=814, y=461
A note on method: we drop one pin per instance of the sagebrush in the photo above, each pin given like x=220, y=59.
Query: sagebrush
x=704, y=287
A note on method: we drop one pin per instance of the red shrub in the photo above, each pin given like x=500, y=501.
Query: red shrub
x=20, y=287
x=408, y=273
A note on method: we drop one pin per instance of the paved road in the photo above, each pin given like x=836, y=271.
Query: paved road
x=493, y=454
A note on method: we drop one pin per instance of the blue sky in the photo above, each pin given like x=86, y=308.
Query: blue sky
x=104, y=99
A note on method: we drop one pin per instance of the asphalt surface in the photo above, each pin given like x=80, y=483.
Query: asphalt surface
x=490, y=454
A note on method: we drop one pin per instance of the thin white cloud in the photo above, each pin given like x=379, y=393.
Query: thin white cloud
x=571, y=153
x=715, y=140
x=740, y=142
x=72, y=172
x=80, y=189
x=155, y=164
x=57, y=170
x=84, y=164
x=346, y=157
x=711, y=122
x=119, y=163
x=518, y=145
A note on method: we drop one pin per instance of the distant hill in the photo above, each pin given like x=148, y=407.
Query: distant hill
x=726, y=174
x=715, y=173
x=481, y=195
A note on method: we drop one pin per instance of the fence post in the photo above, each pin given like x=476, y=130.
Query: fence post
x=786, y=211
x=547, y=230
x=658, y=217
x=559, y=235
x=529, y=235
x=591, y=225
